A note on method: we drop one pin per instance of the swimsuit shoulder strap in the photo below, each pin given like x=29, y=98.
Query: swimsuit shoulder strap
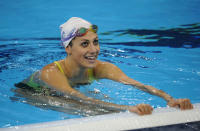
x=91, y=75
x=59, y=66
x=90, y=72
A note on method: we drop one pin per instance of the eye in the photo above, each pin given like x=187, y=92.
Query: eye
x=84, y=44
x=96, y=42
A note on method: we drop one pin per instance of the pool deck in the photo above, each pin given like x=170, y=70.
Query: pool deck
x=117, y=121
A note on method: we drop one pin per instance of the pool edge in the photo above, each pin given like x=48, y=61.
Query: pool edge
x=117, y=121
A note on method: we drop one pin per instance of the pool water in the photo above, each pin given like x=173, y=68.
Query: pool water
x=154, y=42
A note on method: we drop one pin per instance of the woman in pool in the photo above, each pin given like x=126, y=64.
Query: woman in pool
x=81, y=66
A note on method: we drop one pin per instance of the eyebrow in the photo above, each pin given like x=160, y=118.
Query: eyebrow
x=88, y=40
x=85, y=40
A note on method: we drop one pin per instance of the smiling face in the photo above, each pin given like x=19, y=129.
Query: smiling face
x=84, y=50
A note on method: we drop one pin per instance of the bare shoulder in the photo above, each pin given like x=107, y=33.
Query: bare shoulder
x=49, y=67
x=48, y=71
x=103, y=64
x=110, y=71
x=102, y=69
x=51, y=75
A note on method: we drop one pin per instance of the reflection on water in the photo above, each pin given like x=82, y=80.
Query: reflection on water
x=59, y=103
x=186, y=36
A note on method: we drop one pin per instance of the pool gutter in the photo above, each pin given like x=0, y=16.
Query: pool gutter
x=117, y=121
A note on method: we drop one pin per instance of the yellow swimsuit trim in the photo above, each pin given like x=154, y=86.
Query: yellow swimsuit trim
x=91, y=75
x=59, y=66
x=90, y=72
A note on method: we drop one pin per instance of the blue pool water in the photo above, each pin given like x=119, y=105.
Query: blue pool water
x=154, y=42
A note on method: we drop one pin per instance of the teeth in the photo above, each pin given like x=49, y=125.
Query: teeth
x=90, y=57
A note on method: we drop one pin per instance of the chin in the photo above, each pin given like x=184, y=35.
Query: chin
x=90, y=64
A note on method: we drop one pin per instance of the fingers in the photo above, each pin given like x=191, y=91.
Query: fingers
x=142, y=109
x=184, y=104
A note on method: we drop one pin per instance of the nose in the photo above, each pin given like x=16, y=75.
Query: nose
x=93, y=48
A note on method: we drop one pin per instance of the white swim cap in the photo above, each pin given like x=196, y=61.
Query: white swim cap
x=69, y=29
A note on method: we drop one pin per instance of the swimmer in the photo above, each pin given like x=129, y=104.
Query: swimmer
x=80, y=40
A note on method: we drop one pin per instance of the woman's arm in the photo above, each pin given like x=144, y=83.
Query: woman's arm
x=110, y=71
x=53, y=77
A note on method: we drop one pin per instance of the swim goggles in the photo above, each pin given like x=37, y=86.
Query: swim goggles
x=80, y=32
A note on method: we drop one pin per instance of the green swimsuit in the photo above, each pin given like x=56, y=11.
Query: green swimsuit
x=35, y=83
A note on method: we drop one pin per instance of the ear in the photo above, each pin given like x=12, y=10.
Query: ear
x=68, y=49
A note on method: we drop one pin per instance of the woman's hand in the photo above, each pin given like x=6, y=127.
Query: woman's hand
x=141, y=109
x=183, y=104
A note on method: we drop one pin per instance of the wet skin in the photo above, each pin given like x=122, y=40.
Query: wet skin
x=82, y=55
